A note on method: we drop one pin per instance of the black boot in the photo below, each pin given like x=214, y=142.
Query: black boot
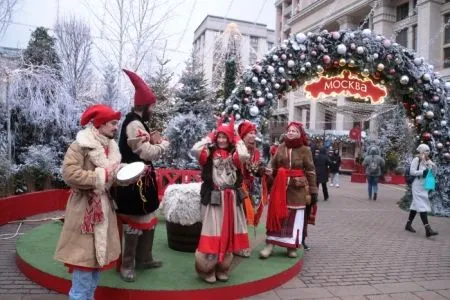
x=374, y=196
x=127, y=272
x=144, y=257
x=430, y=232
x=409, y=227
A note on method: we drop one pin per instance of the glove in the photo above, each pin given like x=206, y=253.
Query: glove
x=425, y=172
x=313, y=199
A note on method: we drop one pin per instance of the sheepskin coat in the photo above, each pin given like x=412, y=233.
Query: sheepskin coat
x=84, y=170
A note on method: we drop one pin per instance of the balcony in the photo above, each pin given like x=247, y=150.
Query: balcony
x=287, y=11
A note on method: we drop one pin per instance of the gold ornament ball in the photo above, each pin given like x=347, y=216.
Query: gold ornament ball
x=319, y=70
x=342, y=62
x=380, y=67
x=365, y=73
x=351, y=63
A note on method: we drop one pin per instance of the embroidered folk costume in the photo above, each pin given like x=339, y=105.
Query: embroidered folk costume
x=294, y=187
x=89, y=240
x=138, y=202
x=224, y=228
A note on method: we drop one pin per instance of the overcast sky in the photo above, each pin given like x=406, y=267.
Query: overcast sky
x=180, y=27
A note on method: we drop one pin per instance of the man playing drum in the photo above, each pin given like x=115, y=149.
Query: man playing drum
x=138, y=201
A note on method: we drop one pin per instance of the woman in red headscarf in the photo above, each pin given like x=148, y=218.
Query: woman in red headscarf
x=293, y=189
x=224, y=228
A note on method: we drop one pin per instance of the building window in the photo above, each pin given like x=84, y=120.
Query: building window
x=328, y=120
x=402, y=11
x=269, y=46
x=447, y=57
x=253, y=49
x=402, y=37
x=447, y=29
x=414, y=37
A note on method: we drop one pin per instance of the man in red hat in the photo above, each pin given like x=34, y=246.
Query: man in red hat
x=224, y=230
x=89, y=240
x=137, y=144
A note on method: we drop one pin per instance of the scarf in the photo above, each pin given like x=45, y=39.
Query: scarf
x=293, y=143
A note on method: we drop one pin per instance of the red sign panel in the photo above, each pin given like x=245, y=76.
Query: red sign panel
x=346, y=84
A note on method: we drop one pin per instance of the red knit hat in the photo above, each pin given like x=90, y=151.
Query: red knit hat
x=144, y=94
x=228, y=130
x=245, y=128
x=99, y=114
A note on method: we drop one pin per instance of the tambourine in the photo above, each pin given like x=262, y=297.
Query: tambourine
x=131, y=173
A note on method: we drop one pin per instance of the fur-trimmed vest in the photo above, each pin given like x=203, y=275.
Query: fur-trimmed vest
x=208, y=183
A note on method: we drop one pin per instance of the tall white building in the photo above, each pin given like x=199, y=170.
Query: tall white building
x=416, y=24
x=256, y=39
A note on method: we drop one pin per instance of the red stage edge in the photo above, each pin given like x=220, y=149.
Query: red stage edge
x=248, y=289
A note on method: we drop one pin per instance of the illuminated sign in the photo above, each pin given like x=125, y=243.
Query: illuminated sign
x=346, y=84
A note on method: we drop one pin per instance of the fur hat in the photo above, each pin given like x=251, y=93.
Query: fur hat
x=99, y=114
x=144, y=94
x=245, y=128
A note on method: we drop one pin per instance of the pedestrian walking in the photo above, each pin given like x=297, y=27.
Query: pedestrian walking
x=374, y=165
x=322, y=163
x=335, y=164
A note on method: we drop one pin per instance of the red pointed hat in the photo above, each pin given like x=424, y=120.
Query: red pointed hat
x=228, y=130
x=245, y=128
x=98, y=115
x=144, y=94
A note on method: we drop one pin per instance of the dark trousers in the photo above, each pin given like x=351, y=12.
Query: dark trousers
x=324, y=189
x=423, y=216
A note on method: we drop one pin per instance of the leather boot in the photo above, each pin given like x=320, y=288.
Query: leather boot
x=430, y=232
x=409, y=227
x=144, y=257
x=374, y=196
x=127, y=272
x=266, y=252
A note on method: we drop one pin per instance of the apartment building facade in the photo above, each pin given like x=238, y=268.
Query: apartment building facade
x=256, y=40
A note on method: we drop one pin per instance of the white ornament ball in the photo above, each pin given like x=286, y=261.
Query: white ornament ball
x=425, y=104
x=235, y=107
x=302, y=57
x=447, y=86
x=275, y=57
x=255, y=79
x=263, y=81
x=324, y=31
x=404, y=80
x=248, y=90
x=269, y=96
x=335, y=35
x=281, y=70
x=426, y=77
x=266, y=89
x=258, y=69
x=228, y=101
x=254, y=111
x=270, y=70
x=436, y=82
x=258, y=93
x=439, y=145
x=300, y=37
x=319, y=39
x=378, y=38
x=309, y=34
x=290, y=63
x=238, y=116
x=283, y=46
x=387, y=43
x=429, y=114
x=419, y=119
x=276, y=86
x=352, y=46
x=367, y=32
x=375, y=55
x=283, y=56
x=282, y=80
x=308, y=64
x=260, y=101
x=302, y=70
x=341, y=49
x=418, y=61
x=443, y=123
x=360, y=50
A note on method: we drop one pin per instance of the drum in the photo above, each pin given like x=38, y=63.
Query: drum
x=137, y=192
x=130, y=173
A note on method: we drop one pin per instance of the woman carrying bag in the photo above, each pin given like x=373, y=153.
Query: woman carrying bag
x=423, y=169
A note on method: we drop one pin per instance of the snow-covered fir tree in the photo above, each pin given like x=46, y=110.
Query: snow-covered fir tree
x=111, y=89
x=159, y=81
x=41, y=50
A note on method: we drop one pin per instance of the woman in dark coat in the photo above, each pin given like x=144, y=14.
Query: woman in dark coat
x=322, y=162
x=335, y=163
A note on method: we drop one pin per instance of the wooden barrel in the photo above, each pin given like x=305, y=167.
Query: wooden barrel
x=183, y=238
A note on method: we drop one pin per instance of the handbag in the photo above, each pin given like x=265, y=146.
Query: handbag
x=430, y=182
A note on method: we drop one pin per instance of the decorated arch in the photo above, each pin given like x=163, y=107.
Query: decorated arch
x=365, y=65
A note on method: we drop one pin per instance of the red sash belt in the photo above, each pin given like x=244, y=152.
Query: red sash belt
x=278, y=204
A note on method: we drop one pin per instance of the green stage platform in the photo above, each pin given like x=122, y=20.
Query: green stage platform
x=176, y=278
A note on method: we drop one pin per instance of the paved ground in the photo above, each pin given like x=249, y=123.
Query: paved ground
x=360, y=250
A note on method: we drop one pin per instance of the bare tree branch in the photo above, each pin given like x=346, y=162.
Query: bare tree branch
x=6, y=12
